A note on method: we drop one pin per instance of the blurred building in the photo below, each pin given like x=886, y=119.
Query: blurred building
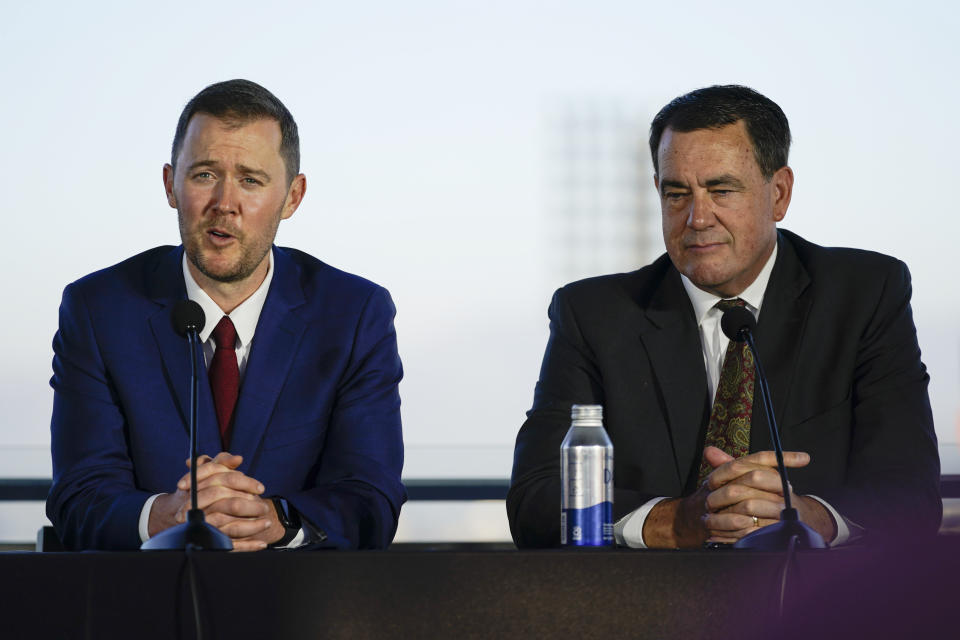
x=602, y=214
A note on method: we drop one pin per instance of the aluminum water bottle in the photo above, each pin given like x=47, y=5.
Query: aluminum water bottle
x=586, y=475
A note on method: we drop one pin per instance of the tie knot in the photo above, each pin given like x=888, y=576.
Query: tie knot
x=225, y=334
x=726, y=305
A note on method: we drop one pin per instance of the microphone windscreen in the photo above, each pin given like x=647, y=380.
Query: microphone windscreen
x=736, y=319
x=187, y=316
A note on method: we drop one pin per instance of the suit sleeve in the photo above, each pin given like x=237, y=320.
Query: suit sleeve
x=93, y=502
x=357, y=495
x=570, y=374
x=893, y=468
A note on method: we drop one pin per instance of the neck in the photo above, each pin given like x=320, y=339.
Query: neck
x=230, y=295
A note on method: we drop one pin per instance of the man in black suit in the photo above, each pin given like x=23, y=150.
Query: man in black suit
x=835, y=330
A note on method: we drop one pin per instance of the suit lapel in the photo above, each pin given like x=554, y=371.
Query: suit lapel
x=165, y=286
x=275, y=344
x=672, y=342
x=779, y=338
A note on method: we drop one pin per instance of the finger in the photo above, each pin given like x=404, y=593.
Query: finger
x=760, y=460
x=204, y=470
x=734, y=526
x=726, y=523
x=209, y=470
x=716, y=457
x=769, y=458
x=185, y=478
x=228, y=459
x=752, y=486
x=210, y=495
x=235, y=527
x=201, y=459
x=249, y=545
x=723, y=539
x=241, y=528
x=224, y=457
x=242, y=507
x=234, y=480
x=766, y=507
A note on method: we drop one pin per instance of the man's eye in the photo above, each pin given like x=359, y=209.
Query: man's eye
x=251, y=181
x=721, y=192
x=673, y=195
x=202, y=175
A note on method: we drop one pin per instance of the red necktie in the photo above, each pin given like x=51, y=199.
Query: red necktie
x=729, y=426
x=224, y=376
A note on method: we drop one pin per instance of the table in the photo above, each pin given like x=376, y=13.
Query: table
x=483, y=593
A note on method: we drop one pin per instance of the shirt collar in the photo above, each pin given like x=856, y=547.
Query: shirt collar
x=244, y=317
x=704, y=302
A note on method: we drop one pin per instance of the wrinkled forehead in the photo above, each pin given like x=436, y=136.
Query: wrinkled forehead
x=711, y=150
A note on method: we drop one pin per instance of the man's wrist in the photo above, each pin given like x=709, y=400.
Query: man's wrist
x=288, y=518
x=676, y=523
x=818, y=517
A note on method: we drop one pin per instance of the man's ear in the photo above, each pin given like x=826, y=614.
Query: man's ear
x=168, y=185
x=782, y=192
x=298, y=189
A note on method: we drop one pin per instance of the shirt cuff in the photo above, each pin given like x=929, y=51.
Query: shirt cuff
x=296, y=542
x=843, y=531
x=628, y=530
x=145, y=517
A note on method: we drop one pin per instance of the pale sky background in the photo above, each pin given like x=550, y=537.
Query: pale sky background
x=423, y=140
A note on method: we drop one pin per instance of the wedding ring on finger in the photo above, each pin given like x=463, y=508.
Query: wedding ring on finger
x=756, y=521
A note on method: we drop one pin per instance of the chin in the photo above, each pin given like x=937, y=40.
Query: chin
x=225, y=275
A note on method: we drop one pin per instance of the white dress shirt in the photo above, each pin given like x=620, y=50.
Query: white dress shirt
x=244, y=318
x=628, y=531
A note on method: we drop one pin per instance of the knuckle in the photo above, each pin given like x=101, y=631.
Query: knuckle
x=710, y=502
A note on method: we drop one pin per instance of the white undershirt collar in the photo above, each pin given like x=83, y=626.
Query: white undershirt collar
x=705, y=302
x=245, y=317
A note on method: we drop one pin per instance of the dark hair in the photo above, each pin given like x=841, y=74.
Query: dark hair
x=242, y=101
x=722, y=105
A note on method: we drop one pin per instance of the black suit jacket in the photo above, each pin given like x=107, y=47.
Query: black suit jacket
x=838, y=343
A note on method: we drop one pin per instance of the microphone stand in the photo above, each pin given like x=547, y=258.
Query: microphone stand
x=789, y=532
x=195, y=533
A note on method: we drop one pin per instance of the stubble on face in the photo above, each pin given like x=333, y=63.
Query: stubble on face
x=230, y=195
x=217, y=266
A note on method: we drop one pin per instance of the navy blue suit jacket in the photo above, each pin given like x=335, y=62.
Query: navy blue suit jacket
x=317, y=418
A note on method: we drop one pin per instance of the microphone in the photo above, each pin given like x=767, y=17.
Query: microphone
x=187, y=316
x=194, y=534
x=738, y=324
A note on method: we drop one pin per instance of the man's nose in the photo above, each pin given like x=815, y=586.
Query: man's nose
x=701, y=215
x=226, y=197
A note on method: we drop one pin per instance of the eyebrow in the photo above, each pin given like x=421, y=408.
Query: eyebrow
x=675, y=184
x=725, y=180
x=242, y=168
x=254, y=172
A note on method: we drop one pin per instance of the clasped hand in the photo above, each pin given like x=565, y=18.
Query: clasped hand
x=230, y=500
x=744, y=494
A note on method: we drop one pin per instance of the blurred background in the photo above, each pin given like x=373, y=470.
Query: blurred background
x=471, y=157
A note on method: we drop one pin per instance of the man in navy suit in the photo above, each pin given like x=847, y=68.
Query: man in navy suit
x=300, y=423
x=835, y=329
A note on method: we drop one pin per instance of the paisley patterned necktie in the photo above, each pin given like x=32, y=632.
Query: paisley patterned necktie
x=729, y=426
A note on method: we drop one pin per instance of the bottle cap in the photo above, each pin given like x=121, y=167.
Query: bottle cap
x=591, y=412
